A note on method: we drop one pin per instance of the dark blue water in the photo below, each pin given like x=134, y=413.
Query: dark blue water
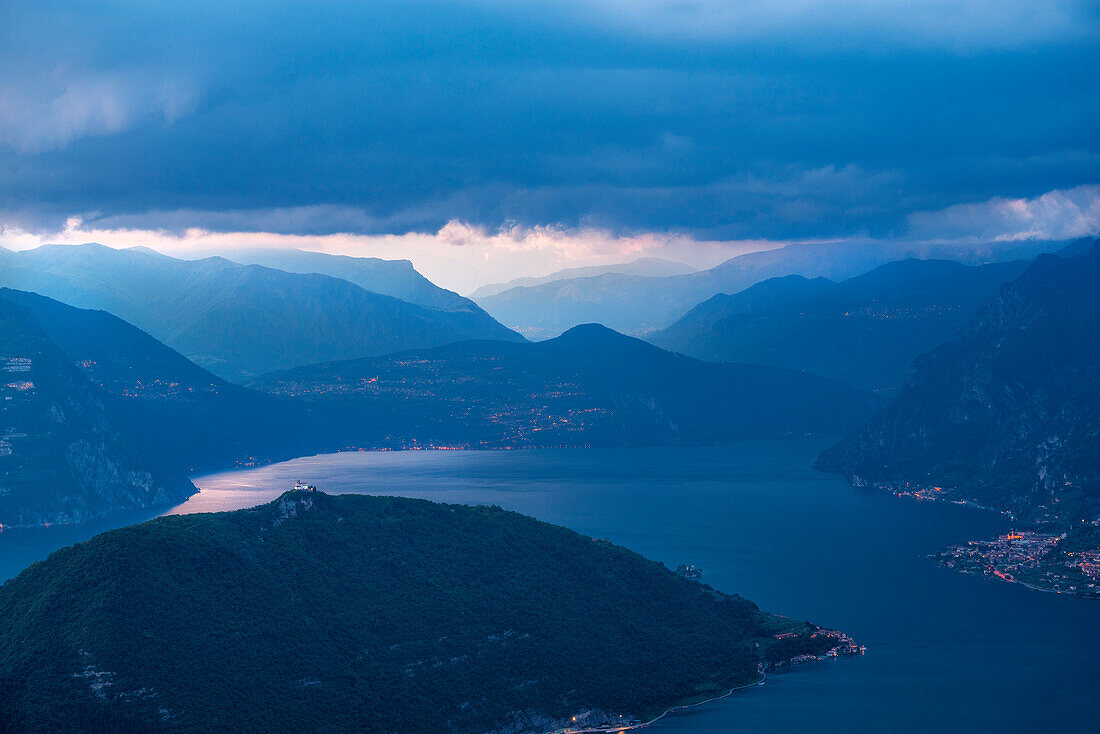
x=946, y=652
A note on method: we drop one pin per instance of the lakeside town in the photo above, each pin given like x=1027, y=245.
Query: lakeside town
x=1034, y=559
x=16, y=389
x=1044, y=558
x=927, y=493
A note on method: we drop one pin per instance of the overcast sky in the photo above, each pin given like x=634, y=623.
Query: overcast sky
x=489, y=139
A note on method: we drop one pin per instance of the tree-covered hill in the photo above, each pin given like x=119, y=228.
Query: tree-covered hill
x=358, y=613
x=590, y=386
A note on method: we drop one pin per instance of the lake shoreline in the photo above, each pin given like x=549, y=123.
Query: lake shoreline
x=767, y=526
x=678, y=707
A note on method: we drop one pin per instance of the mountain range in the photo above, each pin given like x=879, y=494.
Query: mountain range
x=1007, y=412
x=865, y=330
x=356, y=613
x=151, y=416
x=173, y=410
x=65, y=456
x=397, y=278
x=590, y=386
x=650, y=267
x=238, y=320
x=639, y=305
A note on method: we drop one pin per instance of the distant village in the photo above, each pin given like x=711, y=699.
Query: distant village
x=15, y=389
x=926, y=493
x=545, y=417
x=1029, y=558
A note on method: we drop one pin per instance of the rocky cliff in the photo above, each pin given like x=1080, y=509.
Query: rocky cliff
x=62, y=457
x=1007, y=412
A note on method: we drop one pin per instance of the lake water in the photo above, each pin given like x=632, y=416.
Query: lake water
x=946, y=652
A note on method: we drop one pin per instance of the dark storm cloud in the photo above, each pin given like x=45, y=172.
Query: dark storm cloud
x=727, y=120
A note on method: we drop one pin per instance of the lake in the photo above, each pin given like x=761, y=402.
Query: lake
x=946, y=652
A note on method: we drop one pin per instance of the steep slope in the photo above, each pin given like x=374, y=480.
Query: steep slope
x=640, y=305
x=238, y=320
x=1008, y=411
x=1082, y=246
x=357, y=613
x=589, y=386
x=865, y=330
x=397, y=278
x=171, y=408
x=63, y=455
x=649, y=267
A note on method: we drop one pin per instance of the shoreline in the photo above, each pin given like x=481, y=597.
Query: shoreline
x=993, y=576
x=929, y=493
x=1042, y=559
x=679, y=707
x=253, y=463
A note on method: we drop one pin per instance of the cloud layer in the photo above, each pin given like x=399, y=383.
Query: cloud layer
x=703, y=119
x=458, y=256
x=1056, y=215
x=464, y=256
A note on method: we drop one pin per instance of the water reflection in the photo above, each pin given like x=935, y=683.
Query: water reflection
x=947, y=652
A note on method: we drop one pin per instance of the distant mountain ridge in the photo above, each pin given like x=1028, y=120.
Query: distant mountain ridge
x=865, y=330
x=1008, y=411
x=639, y=305
x=590, y=386
x=397, y=278
x=65, y=455
x=238, y=320
x=171, y=408
x=649, y=267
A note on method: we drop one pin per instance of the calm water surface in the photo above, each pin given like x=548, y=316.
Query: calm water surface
x=946, y=652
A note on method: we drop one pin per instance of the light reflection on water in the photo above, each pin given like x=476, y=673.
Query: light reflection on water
x=947, y=653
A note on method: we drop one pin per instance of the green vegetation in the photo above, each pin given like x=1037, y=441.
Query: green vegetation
x=356, y=613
